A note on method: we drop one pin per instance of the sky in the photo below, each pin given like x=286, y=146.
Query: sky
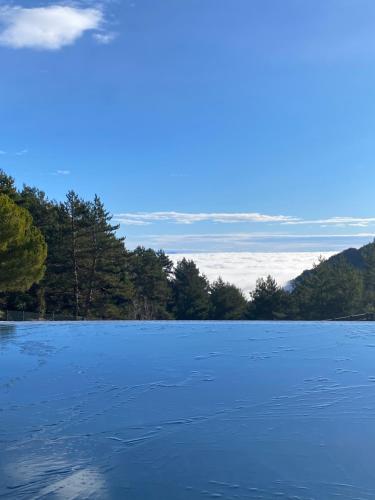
x=204, y=125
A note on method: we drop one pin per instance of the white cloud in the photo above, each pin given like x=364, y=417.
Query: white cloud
x=104, y=38
x=131, y=222
x=244, y=268
x=250, y=242
x=62, y=172
x=140, y=218
x=49, y=28
x=143, y=218
x=21, y=152
x=335, y=221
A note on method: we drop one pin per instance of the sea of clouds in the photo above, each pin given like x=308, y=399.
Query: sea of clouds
x=244, y=268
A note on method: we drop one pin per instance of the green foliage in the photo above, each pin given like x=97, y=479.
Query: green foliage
x=90, y=274
x=332, y=290
x=227, y=301
x=269, y=301
x=8, y=186
x=22, y=248
x=368, y=253
x=80, y=238
x=190, y=292
x=150, y=273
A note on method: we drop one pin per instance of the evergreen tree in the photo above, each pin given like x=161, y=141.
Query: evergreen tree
x=8, y=186
x=150, y=273
x=369, y=278
x=91, y=269
x=268, y=301
x=45, y=217
x=76, y=238
x=227, y=301
x=329, y=291
x=22, y=248
x=191, y=298
x=90, y=274
x=106, y=285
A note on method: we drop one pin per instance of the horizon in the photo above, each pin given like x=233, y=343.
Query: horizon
x=204, y=127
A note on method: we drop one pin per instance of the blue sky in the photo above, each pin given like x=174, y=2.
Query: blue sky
x=257, y=115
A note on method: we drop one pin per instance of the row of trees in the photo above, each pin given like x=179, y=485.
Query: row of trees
x=88, y=272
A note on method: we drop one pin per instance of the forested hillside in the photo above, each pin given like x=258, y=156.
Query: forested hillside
x=341, y=286
x=66, y=260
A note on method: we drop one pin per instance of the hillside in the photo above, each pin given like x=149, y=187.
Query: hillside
x=343, y=285
x=359, y=259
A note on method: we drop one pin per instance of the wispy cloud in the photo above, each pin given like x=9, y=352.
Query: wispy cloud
x=142, y=218
x=62, y=172
x=146, y=218
x=105, y=38
x=46, y=28
x=131, y=222
x=336, y=221
x=22, y=152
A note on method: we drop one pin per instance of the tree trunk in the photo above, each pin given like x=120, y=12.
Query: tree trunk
x=75, y=266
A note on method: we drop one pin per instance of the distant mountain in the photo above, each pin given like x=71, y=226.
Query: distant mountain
x=357, y=258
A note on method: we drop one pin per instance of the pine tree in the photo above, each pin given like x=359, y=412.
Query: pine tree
x=330, y=290
x=8, y=186
x=45, y=217
x=227, y=301
x=369, y=278
x=191, y=298
x=268, y=301
x=76, y=233
x=150, y=275
x=106, y=281
x=23, y=250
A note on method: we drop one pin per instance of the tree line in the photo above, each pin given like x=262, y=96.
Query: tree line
x=66, y=259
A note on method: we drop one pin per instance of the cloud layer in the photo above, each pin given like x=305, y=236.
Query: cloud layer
x=244, y=268
x=249, y=242
x=48, y=28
